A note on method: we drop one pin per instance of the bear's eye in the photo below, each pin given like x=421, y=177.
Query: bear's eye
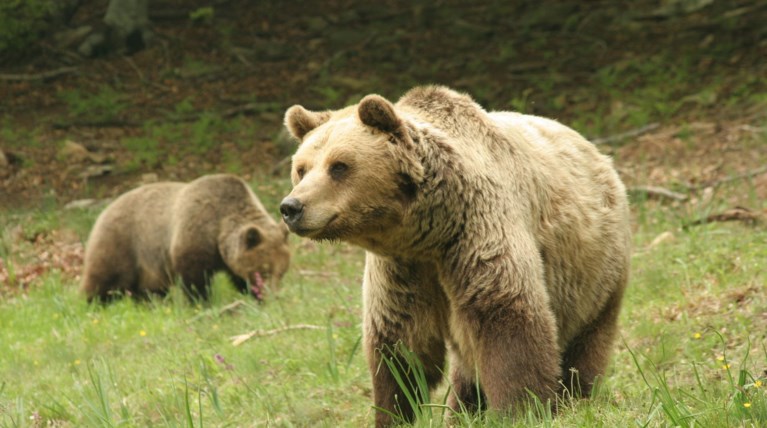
x=252, y=238
x=300, y=171
x=338, y=170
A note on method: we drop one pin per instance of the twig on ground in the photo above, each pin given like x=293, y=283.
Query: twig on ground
x=240, y=53
x=135, y=68
x=217, y=312
x=321, y=274
x=111, y=123
x=751, y=128
x=249, y=108
x=241, y=338
x=734, y=214
x=39, y=76
x=729, y=178
x=657, y=192
x=612, y=139
x=231, y=307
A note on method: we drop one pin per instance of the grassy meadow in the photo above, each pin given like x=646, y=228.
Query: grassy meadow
x=691, y=352
x=209, y=97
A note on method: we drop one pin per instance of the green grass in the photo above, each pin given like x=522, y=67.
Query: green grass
x=170, y=363
x=161, y=142
x=167, y=363
x=104, y=105
x=691, y=352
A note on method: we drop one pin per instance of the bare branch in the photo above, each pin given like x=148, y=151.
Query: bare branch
x=729, y=178
x=279, y=165
x=108, y=123
x=39, y=76
x=612, y=139
x=657, y=192
x=734, y=214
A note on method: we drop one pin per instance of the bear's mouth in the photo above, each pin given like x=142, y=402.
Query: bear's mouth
x=257, y=285
x=314, y=233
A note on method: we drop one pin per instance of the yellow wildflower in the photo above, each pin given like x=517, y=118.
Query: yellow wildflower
x=77, y=362
x=697, y=335
x=747, y=405
x=725, y=367
x=720, y=358
x=142, y=333
x=758, y=384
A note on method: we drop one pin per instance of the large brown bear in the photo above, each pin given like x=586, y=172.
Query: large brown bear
x=157, y=233
x=501, y=237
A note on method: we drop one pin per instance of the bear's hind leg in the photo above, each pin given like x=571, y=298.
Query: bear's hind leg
x=106, y=287
x=110, y=271
x=588, y=354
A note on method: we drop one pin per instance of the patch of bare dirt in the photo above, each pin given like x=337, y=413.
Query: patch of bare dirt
x=35, y=256
x=695, y=159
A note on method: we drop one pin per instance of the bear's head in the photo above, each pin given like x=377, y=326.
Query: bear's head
x=354, y=173
x=258, y=253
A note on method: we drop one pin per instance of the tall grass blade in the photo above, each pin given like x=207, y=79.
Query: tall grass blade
x=408, y=372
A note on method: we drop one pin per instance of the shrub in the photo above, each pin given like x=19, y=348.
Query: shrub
x=22, y=22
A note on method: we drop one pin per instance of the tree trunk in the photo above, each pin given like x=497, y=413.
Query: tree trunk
x=125, y=30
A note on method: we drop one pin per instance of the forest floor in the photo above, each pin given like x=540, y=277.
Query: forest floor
x=676, y=96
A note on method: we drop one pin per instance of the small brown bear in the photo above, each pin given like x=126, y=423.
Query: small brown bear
x=157, y=233
x=500, y=238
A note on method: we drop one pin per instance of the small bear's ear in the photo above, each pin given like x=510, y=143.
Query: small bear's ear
x=252, y=237
x=377, y=112
x=300, y=121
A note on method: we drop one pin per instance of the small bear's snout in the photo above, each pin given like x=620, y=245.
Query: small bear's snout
x=292, y=210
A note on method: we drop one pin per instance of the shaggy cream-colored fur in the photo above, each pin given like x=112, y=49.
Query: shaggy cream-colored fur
x=498, y=237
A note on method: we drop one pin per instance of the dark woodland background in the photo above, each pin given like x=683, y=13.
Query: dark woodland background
x=205, y=90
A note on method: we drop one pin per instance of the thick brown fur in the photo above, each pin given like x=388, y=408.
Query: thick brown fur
x=500, y=237
x=156, y=234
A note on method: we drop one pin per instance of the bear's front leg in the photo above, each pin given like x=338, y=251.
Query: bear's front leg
x=515, y=349
x=502, y=324
x=390, y=400
x=405, y=310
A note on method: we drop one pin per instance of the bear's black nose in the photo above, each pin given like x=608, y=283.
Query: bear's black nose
x=291, y=209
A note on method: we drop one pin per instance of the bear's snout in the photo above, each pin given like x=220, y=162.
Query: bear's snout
x=292, y=210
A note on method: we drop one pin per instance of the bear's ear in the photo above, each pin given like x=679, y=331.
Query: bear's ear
x=252, y=237
x=300, y=121
x=377, y=112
